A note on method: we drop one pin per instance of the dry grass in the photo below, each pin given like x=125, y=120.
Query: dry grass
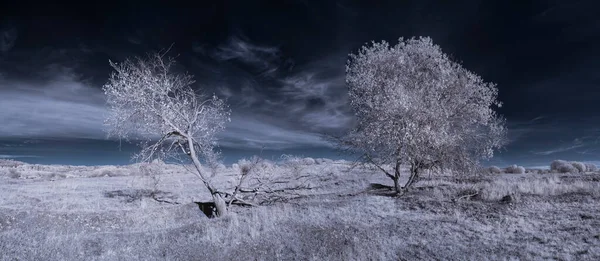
x=551, y=216
x=550, y=185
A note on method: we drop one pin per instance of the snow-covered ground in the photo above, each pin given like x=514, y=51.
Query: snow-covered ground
x=326, y=211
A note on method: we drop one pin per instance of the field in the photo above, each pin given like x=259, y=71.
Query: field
x=324, y=210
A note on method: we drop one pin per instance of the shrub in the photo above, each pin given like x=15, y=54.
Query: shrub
x=308, y=161
x=494, y=170
x=260, y=167
x=514, y=169
x=534, y=171
x=107, y=171
x=591, y=167
x=14, y=174
x=235, y=166
x=579, y=166
x=562, y=166
x=10, y=163
x=568, y=169
x=241, y=163
x=323, y=161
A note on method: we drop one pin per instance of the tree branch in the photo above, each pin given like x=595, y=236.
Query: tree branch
x=379, y=167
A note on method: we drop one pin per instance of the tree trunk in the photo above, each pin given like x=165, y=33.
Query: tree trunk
x=414, y=174
x=396, y=178
x=397, y=187
x=220, y=205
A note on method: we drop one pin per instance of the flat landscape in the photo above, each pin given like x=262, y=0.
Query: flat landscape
x=310, y=210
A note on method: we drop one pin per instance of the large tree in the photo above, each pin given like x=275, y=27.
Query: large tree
x=417, y=107
x=149, y=102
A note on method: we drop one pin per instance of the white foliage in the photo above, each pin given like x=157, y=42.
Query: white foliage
x=514, y=169
x=323, y=161
x=415, y=106
x=494, y=170
x=591, y=167
x=308, y=161
x=579, y=166
x=562, y=166
x=149, y=102
x=10, y=163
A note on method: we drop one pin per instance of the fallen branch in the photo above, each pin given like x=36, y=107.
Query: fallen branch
x=166, y=201
x=465, y=196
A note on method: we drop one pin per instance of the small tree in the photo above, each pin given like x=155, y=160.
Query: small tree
x=416, y=107
x=149, y=102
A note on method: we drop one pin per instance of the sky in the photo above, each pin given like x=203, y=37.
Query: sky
x=280, y=65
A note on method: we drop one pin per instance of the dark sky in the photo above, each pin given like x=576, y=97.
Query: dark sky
x=281, y=64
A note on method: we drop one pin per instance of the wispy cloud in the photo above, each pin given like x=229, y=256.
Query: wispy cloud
x=17, y=156
x=264, y=58
x=290, y=108
x=559, y=149
x=577, y=143
x=309, y=97
x=8, y=38
x=135, y=37
x=319, y=98
x=254, y=132
x=61, y=107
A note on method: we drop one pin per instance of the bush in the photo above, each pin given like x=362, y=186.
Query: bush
x=309, y=161
x=14, y=174
x=323, y=161
x=241, y=164
x=562, y=166
x=258, y=166
x=221, y=166
x=291, y=160
x=591, y=167
x=494, y=170
x=107, y=171
x=514, y=169
x=10, y=163
x=579, y=166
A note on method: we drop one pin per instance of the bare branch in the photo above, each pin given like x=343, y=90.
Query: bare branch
x=148, y=101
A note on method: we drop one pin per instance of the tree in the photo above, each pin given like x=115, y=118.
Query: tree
x=416, y=107
x=148, y=102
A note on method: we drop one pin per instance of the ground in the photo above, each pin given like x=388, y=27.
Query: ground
x=327, y=211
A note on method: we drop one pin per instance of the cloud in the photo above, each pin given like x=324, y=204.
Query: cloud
x=559, y=149
x=252, y=132
x=309, y=97
x=586, y=145
x=266, y=59
x=134, y=39
x=17, y=156
x=61, y=107
x=279, y=109
x=236, y=48
x=8, y=38
x=319, y=98
x=304, y=86
x=200, y=48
